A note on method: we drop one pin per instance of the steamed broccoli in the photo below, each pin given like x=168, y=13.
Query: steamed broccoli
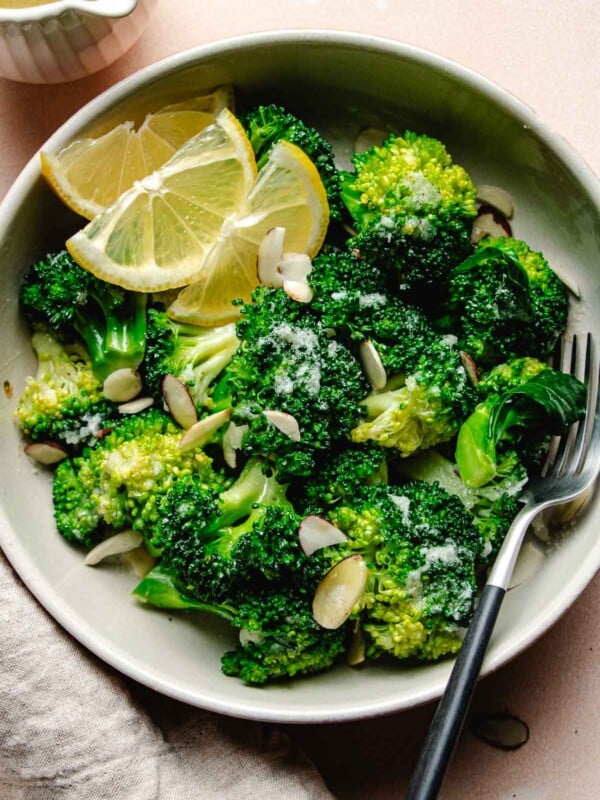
x=72, y=302
x=428, y=407
x=412, y=208
x=125, y=476
x=191, y=353
x=420, y=547
x=545, y=402
x=340, y=474
x=288, y=362
x=505, y=301
x=266, y=125
x=492, y=507
x=64, y=402
x=217, y=542
x=280, y=638
x=236, y=553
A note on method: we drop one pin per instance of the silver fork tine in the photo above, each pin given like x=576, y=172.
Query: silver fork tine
x=566, y=442
x=586, y=425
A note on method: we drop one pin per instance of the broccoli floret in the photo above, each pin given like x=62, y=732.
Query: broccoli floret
x=126, y=475
x=75, y=510
x=111, y=321
x=420, y=548
x=64, y=402
x=524, y=414
x=288, y=362
x=492, y=507
x=191, y=353
x=340, y=474
x=280, y=639
x=266, y=125
x=428, y=407
x=412, y=208
x=218, y=543
x=505, y=301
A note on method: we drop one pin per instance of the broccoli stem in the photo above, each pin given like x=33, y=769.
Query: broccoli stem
x=115, y=338
x=159, y=589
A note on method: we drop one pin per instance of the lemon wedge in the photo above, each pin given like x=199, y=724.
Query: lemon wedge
x=158, y=234
x=288, y=193
x=90, y=174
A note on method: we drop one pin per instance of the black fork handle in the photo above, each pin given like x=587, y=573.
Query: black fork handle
x=452, y=709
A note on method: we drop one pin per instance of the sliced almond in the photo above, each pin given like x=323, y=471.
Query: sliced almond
x=270, y=253
x=46, y=452
x=139, y=561
x=250, y=637
x=357, y=648
x=369, y=137
x=232, y=441
x=113, y=546
x=372, y=365
x=339, y=591
x=299, y=291
x=497, y=198
x=201, y=431
x=284, y=422
x=122, y=385
x=135, y=406
x=470, y=368
x=179, y=401
x=315, y=533
x=502, y=730
x=295, y=266
x=489, y=222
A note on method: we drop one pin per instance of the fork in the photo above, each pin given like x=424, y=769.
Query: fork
x=571, y=468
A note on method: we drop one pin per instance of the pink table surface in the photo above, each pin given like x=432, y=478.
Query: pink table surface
x=546, y=53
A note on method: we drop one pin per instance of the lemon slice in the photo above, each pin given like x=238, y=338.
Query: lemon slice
x=288, y=193
x=90, y=174
x=158, y=234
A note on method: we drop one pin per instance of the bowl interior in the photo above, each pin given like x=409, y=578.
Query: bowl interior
x=341, y=83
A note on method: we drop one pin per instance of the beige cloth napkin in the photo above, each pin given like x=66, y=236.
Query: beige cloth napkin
x=73, y=729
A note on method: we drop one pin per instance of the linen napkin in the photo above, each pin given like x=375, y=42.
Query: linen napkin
x=72, y=728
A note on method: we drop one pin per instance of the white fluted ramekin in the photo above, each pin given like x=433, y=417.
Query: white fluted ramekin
x=68, y=39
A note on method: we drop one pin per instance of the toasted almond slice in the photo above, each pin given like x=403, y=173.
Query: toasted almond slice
x=339, y=591
x=299, y=291
x=284, y=422
x=356, y=653
x=139, y=561
x=122, y=385
x=270, y=253
x=315, y=532
x=232, y=441
x=372, y=365
x=179, y=401
x=46, y=452
x=369, y=137
x=119, y=543
x=250, y=637
x=489, y=222
x=135, y=406
x=295, y=266
x=202, y=430
x=470, y=368
x=498, y=198
x=504, y=731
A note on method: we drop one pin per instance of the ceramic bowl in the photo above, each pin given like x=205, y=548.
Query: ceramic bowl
x=68, y=39
x=343, y=83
